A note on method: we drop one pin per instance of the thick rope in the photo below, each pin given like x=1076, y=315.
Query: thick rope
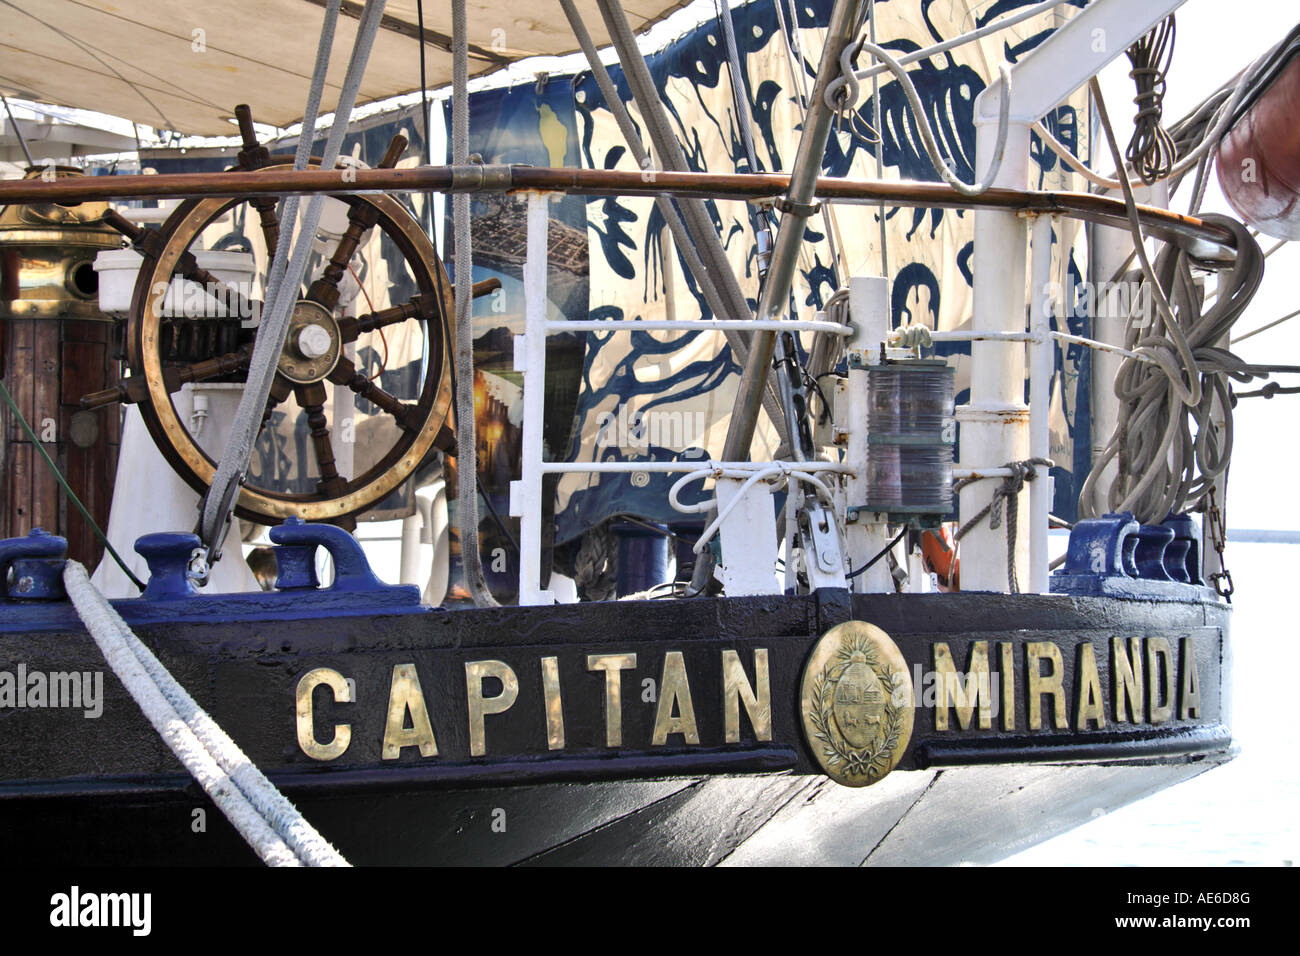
x=466, y=443
x=595, y=567
x=271, y=826
x=1008, y=494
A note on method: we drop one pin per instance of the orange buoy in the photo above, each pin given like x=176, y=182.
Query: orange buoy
x=941, y=557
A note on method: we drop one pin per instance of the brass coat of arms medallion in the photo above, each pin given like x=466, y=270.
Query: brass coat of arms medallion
x=856, y=703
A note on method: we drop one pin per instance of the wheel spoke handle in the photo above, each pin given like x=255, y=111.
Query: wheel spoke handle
x=312, y=399
x=409, y=417
x=255, y=156
x=136, y=389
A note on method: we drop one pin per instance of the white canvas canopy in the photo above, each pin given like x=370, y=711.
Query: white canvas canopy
x=184, y=64
x=52, y=138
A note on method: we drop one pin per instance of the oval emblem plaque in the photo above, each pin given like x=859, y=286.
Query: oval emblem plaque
x=856, y=702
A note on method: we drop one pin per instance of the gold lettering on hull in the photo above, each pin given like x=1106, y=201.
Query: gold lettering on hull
x=1039, y=684
x=1160, y=680
x=736, y=689
x=856, y=714
x=675, y=696
x=1008, y=685
x=1127, y=668
x=479, y=706
x=1090, y=708
x=306, y=723
x=1191, y=698
x=966, y=697
x=405, y=695
x=1145, y=680
x=553, y=704
x=613, y=665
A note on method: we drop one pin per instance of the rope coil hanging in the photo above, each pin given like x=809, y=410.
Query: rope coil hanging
x=1151, y=151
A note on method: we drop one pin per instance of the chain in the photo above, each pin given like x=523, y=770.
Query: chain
x=1221, y=579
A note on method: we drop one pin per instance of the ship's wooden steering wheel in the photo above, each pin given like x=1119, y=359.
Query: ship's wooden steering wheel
x=313, y=356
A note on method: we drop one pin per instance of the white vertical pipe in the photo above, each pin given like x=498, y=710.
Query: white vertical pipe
x=1042, y=354
x=995, y=424
x=869, y=311
x=526, y=494
x=409, y=568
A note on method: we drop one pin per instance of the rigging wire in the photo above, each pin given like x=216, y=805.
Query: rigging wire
x=1266, y=327
x=427, y=215
x=793, y=50
x=93, y=52
x=879, y=149
x=22, y=140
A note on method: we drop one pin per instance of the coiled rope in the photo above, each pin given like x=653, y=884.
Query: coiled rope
x=1151, y=151
x=1164, y=468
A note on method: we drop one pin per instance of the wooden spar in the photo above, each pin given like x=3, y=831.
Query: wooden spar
x=1160, y=223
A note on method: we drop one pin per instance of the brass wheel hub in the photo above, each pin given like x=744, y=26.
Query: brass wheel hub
x=312, y=346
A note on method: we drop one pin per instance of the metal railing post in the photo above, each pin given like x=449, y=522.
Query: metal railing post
x=1042, y=354
x=530, y=359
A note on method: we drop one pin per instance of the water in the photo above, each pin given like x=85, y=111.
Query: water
x=1243, y=813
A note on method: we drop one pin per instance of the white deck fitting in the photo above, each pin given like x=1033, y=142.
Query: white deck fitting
x=748, y=529
x=148, y=495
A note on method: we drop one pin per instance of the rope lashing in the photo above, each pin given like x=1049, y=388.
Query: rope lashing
x=1006, y=496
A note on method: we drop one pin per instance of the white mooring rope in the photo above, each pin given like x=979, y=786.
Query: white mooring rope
x=268, y=822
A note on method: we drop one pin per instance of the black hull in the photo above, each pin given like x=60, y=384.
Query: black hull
x=107, y=791
x=972, y=815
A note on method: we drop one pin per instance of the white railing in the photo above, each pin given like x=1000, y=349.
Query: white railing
x=530, y=360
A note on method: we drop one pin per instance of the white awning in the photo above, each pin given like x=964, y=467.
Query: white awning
x=49, y=138
x=185, y=64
